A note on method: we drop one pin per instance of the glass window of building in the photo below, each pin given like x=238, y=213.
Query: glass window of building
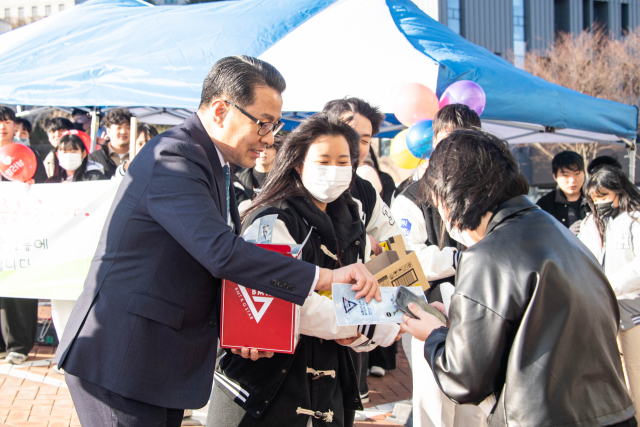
x=624, y=27
x=47, y=10
x=601, y=14
x=586, y=15
x=519, y=45
x=561, y=16
x=34, y=11
x=60, y=7
x=21, y=13
x=454, y=15
x=7, y=13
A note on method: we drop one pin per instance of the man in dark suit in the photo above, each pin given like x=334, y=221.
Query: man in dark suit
x=140, y=345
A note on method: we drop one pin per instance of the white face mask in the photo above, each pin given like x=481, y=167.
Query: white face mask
x=326, y=183
x=459, y=236
x=70, y=161
x=23, y=141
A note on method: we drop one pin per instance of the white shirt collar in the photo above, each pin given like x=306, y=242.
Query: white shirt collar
x=222, y=162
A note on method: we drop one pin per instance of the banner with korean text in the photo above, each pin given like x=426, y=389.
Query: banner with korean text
x=48, y=236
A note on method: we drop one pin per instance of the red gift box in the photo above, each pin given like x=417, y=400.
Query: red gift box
x=253, y=319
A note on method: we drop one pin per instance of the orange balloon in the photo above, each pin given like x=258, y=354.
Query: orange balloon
x=415, y=102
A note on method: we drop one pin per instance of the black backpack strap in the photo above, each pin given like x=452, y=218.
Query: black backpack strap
x=363, y=190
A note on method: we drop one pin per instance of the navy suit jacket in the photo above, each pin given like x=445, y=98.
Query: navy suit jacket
x=146, y=324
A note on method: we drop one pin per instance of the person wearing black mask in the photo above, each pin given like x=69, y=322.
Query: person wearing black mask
x=613, y=235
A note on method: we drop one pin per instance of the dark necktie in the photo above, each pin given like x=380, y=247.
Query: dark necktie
x=227, y=183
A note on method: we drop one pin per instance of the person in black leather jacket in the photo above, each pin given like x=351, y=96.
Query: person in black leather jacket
x=532, y=325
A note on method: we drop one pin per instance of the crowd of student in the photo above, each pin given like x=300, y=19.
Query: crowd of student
x=516, y=285
x=67, y=160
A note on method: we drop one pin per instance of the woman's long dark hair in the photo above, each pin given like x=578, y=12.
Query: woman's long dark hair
x=610, y=178
x=70, y=142
x=283, y=181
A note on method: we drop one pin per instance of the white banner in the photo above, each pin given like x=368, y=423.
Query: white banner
x=48, y=236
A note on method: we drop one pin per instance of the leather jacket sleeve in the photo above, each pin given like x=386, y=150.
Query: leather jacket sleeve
x=470, y=368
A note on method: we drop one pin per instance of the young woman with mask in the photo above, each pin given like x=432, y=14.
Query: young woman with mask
x=73, y=162
x=613, y=235
x=317, y=385
x=72, y=165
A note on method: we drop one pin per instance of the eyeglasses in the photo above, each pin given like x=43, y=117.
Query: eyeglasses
x=265, y=127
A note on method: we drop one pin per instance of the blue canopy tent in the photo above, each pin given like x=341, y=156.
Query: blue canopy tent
x=129, y=53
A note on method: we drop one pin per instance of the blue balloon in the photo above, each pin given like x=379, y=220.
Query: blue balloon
x=420, y=139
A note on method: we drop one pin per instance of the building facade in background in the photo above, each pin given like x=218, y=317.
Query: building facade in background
x=21, y=12
x=4, y=26
x=512, y=27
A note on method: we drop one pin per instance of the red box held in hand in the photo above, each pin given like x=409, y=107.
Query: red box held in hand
x=257, y=320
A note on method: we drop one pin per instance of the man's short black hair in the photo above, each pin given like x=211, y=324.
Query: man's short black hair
x=567, y=160
x=118, y=117
x=26, y=124
x=600, y=161
x=78, y=112
x=7, y=113
x=345, y=109
x=236, y=77
x=471, y=173
x=58, y=123
x=455, y=116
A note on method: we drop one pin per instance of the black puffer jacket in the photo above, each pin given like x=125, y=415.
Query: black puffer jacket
x=246, y=182
x=270, y=390
x=533, y=321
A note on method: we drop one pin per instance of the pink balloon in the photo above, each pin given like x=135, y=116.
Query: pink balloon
x=465, y=92
x=415, y=102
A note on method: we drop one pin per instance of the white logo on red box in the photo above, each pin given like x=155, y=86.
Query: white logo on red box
x=249, y=302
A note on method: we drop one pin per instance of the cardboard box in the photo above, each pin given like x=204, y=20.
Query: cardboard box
x=392, y=270
x=395, y=243
x=253, y=319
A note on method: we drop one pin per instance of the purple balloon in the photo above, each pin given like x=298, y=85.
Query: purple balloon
x=465, y=92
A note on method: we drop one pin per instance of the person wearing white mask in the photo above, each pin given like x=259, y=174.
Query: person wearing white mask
x=74, y=163
x=380, y=225
x=22, y=132
x=307, y=188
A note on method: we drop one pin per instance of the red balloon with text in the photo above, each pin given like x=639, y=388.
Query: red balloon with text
x=17, y=162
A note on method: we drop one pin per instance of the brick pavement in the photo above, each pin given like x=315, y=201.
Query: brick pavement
x=33, y=395
x=395, y=386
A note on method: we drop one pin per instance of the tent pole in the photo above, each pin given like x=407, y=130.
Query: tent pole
x=631, y=150
x=632, y=161
x=94, y=127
